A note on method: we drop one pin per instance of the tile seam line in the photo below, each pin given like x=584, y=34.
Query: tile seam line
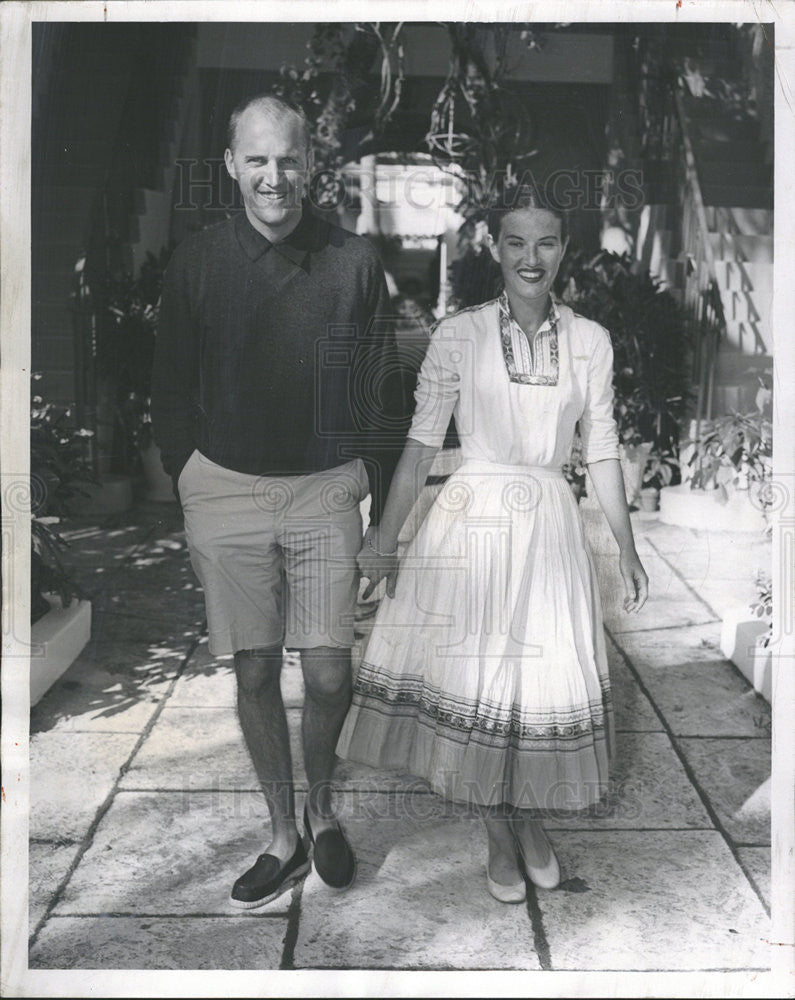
x=690, y=774
x=88, y=838
x=290, y=939
x=181, y=790
x=439, y=967
x=153, y=915
x=680, y=576
x=674, y=569
x=667, y=628
x=540, y=940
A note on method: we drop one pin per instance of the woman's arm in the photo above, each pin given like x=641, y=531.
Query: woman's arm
x=609, y=485
x=378, y=558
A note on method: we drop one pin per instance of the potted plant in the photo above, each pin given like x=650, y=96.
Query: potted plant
x=58, y=474
x=574, y=469
x=727, y=475
x=661, y=467
x=746, y=636
x=125, y=356
x=647, y=331
x=60, y=614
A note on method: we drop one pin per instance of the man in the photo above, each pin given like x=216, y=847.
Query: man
x=273, y=385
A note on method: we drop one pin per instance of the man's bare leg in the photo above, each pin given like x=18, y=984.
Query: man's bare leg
x=327, y=683
x=264, y=723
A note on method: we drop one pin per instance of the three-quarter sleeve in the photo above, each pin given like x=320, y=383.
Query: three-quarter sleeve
x=438, y=385
x=381, y=397
x=598, y=429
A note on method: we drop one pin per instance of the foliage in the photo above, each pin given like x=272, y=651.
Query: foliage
x=661, y=467
x=647, y=330
x=58, y=474
x=735, y=450
x=763, y=606
x=126, y=345
x=475, y=277
x=574, y=469
x=352, y=110
x=479, y=126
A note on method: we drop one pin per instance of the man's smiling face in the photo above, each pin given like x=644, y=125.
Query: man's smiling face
x=270, y=161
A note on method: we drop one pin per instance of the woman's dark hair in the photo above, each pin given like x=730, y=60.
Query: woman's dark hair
x=525, y=195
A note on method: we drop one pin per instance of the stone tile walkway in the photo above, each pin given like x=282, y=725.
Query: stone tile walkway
x=145, y=808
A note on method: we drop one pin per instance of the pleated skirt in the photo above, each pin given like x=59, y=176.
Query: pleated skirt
x=486, y=674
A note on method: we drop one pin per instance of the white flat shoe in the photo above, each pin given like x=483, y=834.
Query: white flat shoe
x=547, y=877
x=516, y=893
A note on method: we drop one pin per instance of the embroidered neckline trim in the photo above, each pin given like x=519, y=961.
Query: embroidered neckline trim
x=523, y=378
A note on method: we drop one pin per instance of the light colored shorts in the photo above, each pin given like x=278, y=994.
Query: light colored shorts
x=276, y=555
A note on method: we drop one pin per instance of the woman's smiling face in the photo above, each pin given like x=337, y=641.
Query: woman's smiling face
x=529, y=249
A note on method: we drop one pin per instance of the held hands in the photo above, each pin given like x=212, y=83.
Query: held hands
x=635, y=581
x=377, y=562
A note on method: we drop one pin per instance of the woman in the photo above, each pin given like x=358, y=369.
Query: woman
x=486, y=671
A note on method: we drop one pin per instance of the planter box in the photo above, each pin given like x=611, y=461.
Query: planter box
x=740, y=642
x=56, y=641
x=701, y=510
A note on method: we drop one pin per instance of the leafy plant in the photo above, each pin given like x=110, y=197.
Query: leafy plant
x=348, y=114
x=574, y=469
x=58, y=474
x=661, y=467
x=735, y=450
x=126, y=345
x=763, y=606
x=647, y=330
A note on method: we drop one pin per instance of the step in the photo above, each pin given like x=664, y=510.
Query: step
x=729, y=398
x=743, y=275
x=744, y=318
x=721, y=128
x=744, y=221
x=735, y=367
x=740, y=305
x=744, y=248
x=740, y=173
x=754, y=281
x=747, y=336
x=733, y=196
x=729, y=152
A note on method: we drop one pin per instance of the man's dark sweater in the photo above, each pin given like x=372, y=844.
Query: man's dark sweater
x=278, y=359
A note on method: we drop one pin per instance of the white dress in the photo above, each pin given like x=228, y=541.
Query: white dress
x=486, y=674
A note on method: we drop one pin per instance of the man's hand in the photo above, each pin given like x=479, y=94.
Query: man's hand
x=636, y=582
x=377, y=566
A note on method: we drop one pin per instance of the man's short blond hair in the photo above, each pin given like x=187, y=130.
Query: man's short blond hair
x=280, y=107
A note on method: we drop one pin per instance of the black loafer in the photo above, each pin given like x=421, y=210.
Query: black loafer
x=333, y=857
x=269, y=878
